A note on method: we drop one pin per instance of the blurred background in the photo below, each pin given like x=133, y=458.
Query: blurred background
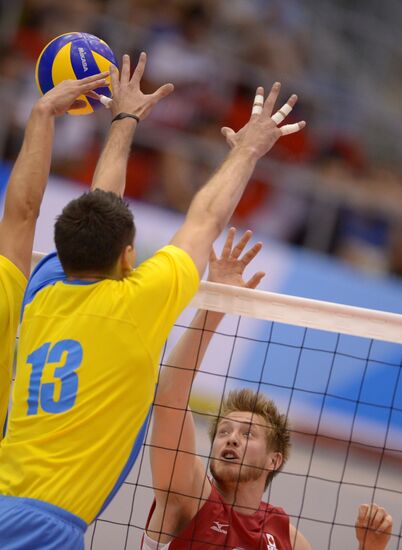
x=335, y=188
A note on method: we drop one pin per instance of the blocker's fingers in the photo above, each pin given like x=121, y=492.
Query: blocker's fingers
x=371, y=512
x=163, y=91
x=251, y=254
x=258, y=103
x=93, y=95
x=140, y=68
x=114, y=77
x=238, y=249
x=106, y=101
x=292, y=128
x=377, y=517
x=227, y=247
x=385, y=525
x=283, y=112
x=125, y=69
x=87, y=86
x=212, y=255
x=362, y=514
x=255, y=280
x=227, y=132
x=229, y=136
x=89, y=79
x=272, y=97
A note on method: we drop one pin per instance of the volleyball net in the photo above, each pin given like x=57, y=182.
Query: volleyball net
x=335, y=371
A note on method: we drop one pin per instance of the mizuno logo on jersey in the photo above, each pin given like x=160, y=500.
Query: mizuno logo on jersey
x=220, y=527
x=271, y=542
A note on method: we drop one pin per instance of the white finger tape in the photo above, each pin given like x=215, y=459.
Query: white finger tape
x=257, y=110
x=106, y=101
x=286, y=109
x=277, y=117
x=283, y=112
x=289, y=129
x=259, y=99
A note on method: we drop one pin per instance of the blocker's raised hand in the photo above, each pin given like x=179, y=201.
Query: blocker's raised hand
x=262, y=131
x=373, y=527
x=64, y=96
x=127, y=94
x=229, y=267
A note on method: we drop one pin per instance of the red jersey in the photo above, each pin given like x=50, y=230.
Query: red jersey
x=217, y=525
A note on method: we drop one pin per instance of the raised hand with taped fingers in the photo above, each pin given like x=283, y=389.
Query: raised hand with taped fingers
x=262, y=131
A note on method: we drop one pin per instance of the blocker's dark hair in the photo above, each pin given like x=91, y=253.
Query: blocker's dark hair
x=92, y=231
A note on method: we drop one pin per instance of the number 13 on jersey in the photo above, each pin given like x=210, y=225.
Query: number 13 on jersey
x=43, y=394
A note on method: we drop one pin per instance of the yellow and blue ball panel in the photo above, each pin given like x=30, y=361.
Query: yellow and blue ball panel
x=74, y=55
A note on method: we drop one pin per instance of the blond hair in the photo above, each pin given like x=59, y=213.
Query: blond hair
x=246, y=400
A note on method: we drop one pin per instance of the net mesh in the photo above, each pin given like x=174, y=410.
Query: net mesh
x=334, y=370
x=342, y=393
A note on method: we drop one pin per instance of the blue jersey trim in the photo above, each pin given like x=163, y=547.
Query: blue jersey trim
x=129, y=464
x=79, y=282
x=47, y=272
x=49, y=509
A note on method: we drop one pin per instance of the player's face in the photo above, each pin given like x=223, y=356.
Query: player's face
x=240, y=452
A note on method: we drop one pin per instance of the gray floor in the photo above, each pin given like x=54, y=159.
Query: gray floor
x=323, y=503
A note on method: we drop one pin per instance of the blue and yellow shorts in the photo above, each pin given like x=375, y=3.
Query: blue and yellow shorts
x=30, y=524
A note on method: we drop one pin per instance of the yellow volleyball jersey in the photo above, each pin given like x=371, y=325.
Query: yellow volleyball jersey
x=12, y=286
x=87, y=368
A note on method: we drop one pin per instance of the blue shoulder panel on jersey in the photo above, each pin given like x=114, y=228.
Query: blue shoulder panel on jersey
x=47, y=272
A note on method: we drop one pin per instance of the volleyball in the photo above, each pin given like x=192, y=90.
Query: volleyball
x=74, y=55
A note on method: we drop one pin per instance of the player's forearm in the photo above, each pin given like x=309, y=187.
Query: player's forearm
x=190, y=350
x=216, y=201
x=177, y=375
x=31, y=170
x=111, y=169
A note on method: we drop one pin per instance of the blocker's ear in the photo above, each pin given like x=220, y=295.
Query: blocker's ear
x=274, y=461
x=127, y=259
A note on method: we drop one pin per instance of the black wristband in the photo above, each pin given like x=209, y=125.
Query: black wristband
x=125, y=115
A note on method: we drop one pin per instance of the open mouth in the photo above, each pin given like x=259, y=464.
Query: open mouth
x=229, y=456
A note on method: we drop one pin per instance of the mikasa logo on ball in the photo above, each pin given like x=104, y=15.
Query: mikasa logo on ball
x=84, y=61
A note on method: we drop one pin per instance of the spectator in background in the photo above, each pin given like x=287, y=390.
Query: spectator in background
x=216, y=49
